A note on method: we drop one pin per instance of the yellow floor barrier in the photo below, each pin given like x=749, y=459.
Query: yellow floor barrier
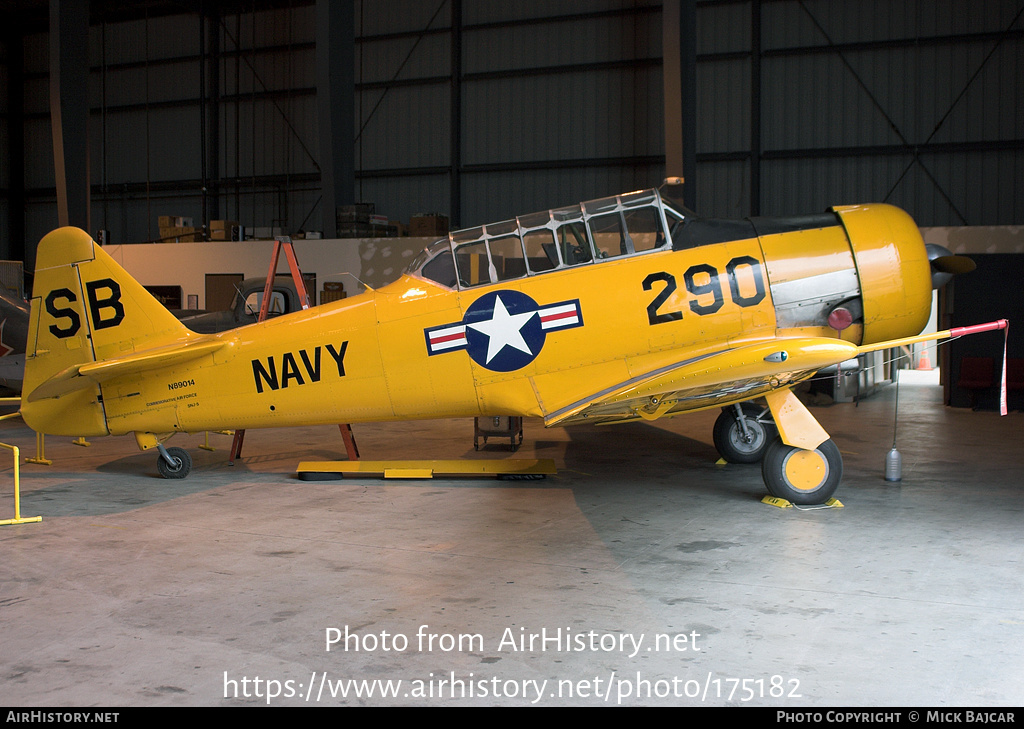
x=18, y=518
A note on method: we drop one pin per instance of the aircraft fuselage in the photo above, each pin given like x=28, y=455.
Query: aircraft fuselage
x=543, y=344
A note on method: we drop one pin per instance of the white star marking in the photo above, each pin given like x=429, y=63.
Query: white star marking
x=503, y=329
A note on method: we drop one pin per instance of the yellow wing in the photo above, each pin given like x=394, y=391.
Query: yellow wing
x=731, y=375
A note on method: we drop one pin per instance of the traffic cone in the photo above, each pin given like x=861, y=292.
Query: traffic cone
x=924, y=363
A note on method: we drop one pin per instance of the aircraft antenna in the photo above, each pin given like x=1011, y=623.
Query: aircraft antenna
x=358, y=280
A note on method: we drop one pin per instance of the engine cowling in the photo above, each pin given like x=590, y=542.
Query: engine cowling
x=893, y=270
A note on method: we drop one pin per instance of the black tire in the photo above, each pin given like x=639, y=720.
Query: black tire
x=728, y=434
x=181, y=457
x=801, y=476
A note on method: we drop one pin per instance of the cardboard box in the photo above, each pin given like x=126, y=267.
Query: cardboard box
x=328, y=296
x=352, y=217
x=428, y=225
x=179, y=234
x=173, y=221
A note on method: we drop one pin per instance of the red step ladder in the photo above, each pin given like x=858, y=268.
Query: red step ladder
x=285, y=242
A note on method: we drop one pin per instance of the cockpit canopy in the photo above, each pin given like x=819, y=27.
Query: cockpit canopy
x=623, y=225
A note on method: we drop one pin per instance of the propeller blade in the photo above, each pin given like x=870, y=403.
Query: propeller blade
x=953, y=264
x=945, y=265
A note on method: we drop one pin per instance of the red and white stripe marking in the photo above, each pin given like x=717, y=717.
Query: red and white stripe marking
x=560, y=316
x=448, y=338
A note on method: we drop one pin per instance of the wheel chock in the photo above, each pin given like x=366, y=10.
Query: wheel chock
x=775, y=501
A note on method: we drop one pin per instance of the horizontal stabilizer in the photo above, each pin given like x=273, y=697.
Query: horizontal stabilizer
x=86, y=374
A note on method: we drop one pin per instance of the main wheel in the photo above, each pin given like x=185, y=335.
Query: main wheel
x=739, y=444
x=802, y=476
x=182, y=460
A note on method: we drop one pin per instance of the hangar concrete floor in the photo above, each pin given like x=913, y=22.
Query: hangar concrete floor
x=134, y=590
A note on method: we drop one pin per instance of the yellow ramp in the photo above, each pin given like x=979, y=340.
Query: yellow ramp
x=327, y=470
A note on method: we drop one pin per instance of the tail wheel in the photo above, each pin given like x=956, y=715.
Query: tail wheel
x=802, y=476
x=744, y=442
x=181, y=460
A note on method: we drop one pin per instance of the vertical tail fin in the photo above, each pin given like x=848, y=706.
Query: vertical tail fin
x=85, y=308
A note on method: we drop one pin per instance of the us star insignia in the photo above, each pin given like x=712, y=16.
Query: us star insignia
x=504, y=330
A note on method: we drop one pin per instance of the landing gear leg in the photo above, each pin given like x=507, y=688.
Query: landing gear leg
x=173, y=462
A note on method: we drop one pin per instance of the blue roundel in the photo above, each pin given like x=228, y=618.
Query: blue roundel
x=503, y=331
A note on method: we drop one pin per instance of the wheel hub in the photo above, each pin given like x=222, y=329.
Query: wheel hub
x=805, y=470
x=749, y=441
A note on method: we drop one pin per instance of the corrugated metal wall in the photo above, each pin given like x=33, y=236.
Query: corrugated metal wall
x=403, y=107
x=553, y=109
x=801, y=104
x=914, y=103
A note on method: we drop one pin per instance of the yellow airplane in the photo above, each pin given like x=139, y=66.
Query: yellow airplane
x=624, y=308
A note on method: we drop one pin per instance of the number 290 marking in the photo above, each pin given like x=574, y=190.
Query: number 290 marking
x=703, y=281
